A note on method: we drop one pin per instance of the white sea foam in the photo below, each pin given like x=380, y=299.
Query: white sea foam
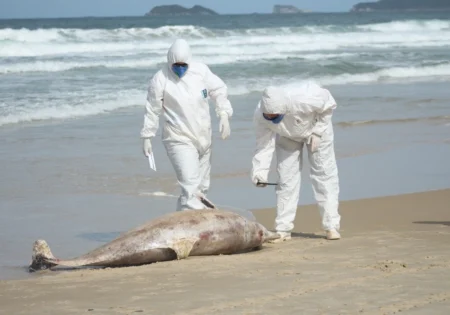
x=61, y=110
x=157, y=194
x=393, y=75
x=140, y=62
x=57, y=42
x=129, y=98
x=56, y=35
x=408, y=26
x=331, y=54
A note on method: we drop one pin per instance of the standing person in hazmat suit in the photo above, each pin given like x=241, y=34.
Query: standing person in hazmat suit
x=286, y=120
x=180, y=90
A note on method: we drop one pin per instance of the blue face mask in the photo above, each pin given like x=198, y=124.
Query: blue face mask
x=179, y=70
x=275, y=120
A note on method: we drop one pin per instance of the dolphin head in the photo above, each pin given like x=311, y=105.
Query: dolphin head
x=270, y=236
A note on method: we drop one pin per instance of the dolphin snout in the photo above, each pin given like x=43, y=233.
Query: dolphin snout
x=269, y=236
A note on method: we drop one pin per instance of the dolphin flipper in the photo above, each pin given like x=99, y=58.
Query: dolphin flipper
x=183, y=247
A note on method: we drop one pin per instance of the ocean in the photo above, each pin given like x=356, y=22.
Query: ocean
x=72, y=95
x=50, y=61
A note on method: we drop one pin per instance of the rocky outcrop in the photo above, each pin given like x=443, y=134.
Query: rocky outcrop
x=179, y=10
x=402, y=5
x=285, y=9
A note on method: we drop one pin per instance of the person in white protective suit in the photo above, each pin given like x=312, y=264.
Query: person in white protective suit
x=286, y=120
x=181, y=91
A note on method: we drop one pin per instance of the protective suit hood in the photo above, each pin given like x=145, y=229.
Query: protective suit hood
x=179, y=52
x=274, y=101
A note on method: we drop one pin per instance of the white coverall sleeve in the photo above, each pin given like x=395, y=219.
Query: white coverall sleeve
x=218, y=92
x=265, y=147
x=153, y=107
x=321, y=102
x=325, y=114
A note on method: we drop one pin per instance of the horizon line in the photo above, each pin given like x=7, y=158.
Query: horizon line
x=148, y=16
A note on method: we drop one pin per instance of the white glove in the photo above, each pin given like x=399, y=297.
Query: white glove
x=224, y=126
x=314, y=142
x=147, y=147
x=257, y=179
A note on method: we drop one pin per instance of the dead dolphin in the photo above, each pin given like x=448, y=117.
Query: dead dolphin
x=173, y=236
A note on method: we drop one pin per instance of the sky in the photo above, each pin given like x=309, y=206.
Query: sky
x=76, y=8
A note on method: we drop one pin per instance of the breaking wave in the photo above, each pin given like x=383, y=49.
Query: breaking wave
x=391, y=75
x=56, y=42
x=59, y=110
x=54, y=64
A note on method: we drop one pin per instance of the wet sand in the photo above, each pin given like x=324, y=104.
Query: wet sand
x=394, y=257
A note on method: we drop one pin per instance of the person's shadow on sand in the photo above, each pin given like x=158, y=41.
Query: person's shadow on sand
x=307, y=235
x=447, y=223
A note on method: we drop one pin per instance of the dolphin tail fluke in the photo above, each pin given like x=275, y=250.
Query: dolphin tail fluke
x=42, y=257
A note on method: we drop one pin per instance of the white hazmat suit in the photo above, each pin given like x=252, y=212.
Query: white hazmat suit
x=307, y=110
x=184, y=102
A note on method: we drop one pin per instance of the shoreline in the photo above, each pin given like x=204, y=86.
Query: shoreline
x=388, y=244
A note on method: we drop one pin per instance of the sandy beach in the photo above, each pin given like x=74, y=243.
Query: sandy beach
x=394, y=257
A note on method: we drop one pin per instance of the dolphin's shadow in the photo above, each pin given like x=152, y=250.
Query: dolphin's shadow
x=99, y=237
x=307, y=235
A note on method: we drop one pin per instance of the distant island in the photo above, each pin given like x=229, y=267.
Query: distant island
x=402, y=5
x=286, y=9
x=179, y=10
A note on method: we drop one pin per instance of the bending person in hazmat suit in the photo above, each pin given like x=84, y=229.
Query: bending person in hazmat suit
x=180, y=90
x=286, y=120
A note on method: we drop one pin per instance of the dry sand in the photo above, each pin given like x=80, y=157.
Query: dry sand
x=394, y=257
